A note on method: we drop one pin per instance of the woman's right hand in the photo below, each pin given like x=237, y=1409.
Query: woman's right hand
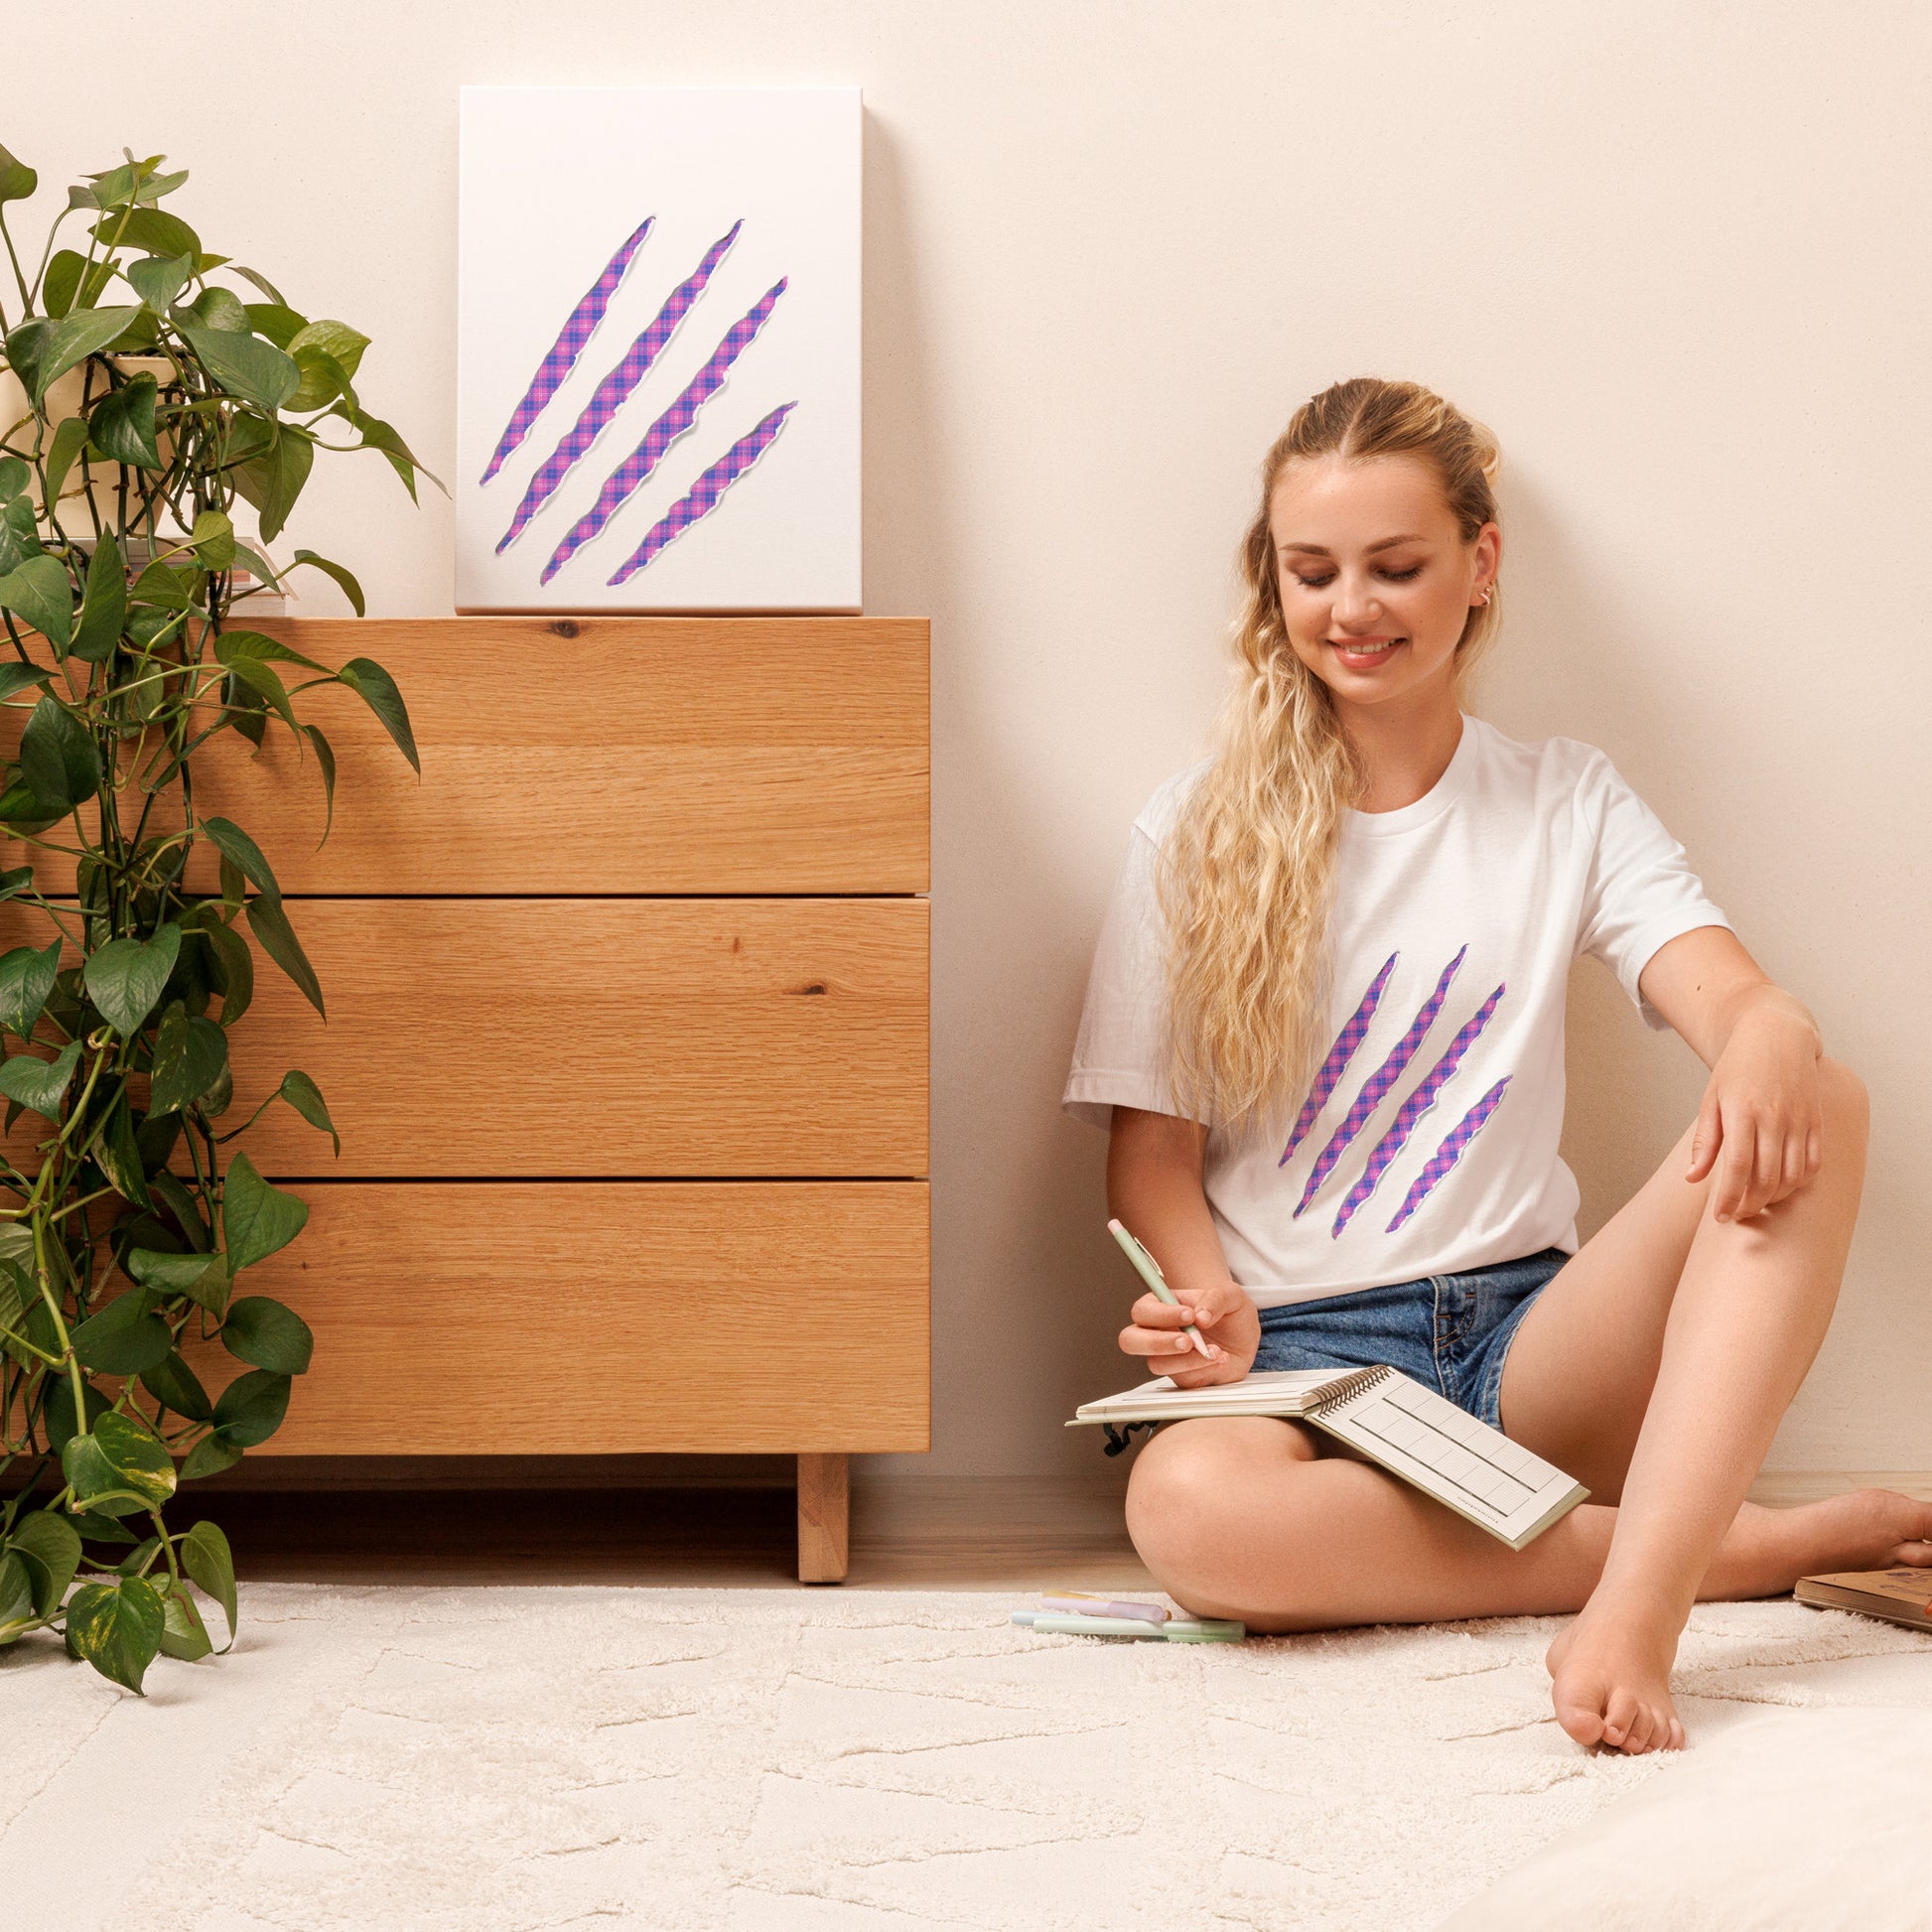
x=1227, y=1323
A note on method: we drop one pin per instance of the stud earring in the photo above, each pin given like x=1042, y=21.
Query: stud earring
x=1487, y=589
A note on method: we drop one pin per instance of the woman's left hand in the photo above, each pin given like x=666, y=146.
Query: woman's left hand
x=1760, y=1127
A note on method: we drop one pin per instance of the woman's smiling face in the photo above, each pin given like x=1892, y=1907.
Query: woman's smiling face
x=1376, y=580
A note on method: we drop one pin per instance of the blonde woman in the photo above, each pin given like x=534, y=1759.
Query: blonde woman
x=1325, y=1029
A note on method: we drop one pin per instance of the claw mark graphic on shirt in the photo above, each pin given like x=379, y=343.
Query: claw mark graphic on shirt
x=1411, y=1111
x=1380, y=1083
x=1340, y=1054
x=1449, y=1152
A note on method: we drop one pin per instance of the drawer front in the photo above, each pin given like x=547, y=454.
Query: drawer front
x=556, y=1318
x=618, y=754
x=630, y=1038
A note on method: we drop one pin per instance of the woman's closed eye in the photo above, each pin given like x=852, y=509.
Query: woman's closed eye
x=1392, y=576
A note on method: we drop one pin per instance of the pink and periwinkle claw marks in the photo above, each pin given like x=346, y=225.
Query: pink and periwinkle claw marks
x=1380, y=1085
x=1340, y=1054
x=1411, y=1110
x=661, y=435
x=1449, y=1152
x=614, y=390
x=704, y=494
x=565, y=351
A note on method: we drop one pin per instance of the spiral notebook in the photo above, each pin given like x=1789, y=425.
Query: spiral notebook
x=1391, y=1419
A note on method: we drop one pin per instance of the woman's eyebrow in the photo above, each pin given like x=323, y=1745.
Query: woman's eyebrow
x=1319, y=550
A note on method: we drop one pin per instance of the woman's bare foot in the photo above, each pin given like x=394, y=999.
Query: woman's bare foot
x=1611, y=1669
x=1609, y=1677
x=1868, y=1529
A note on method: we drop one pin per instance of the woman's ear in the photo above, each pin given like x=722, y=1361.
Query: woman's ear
x=1490, y=557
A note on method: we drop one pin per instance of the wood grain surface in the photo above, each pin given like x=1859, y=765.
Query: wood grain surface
x=555, y=1316
x=646, y=914
x=601, y=1037
x=824, y=1518
x=646, y=1037
x=589, y=755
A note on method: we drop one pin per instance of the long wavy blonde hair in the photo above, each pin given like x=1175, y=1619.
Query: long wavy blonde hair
x=1247, y=877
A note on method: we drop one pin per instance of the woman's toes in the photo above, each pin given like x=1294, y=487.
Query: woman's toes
x=1620, y=1714
x=1580, y=1720
x=1675, y=1742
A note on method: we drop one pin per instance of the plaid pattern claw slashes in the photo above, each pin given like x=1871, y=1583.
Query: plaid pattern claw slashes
x=614, y=390
x=1449, y=1152
x=568, y=347
x=1380, y=1085
x=662, y=434
x=1340, y=1054
x=704, y=494
x=1411, y=1110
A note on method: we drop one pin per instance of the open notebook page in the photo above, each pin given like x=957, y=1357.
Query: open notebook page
x=1476, y=1470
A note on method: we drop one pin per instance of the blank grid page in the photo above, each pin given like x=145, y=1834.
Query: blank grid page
x=1494, y=1480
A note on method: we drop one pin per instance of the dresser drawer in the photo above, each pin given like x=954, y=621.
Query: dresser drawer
x=614, y=755
x=645, y=1036
x=583, y=1317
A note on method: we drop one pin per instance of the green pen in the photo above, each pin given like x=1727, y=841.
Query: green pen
x=1149, y=1271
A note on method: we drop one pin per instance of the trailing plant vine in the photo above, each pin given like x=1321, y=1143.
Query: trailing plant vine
x=148, y=396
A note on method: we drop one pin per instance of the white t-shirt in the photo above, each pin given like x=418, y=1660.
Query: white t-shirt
x=1428, y=1141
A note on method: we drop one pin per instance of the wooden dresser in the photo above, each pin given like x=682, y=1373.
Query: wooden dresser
x=626, y=1040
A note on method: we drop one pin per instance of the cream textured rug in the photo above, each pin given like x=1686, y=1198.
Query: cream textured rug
x=771, y=1761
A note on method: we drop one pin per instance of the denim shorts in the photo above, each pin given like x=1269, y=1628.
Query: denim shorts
x=1450, y=1332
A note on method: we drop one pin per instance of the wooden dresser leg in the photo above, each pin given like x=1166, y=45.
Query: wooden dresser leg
x=822, y=1491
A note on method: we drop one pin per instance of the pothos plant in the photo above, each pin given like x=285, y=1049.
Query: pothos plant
x=145, y=396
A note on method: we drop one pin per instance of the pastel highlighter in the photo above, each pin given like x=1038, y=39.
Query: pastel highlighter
x=1073, y=1602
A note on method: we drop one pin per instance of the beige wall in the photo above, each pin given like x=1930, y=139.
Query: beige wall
x=1674, y=253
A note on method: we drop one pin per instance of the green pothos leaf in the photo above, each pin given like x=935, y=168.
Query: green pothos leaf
x=305, y=1098
x=49, y=1546
x=206, y=1556
x=377, y=689
x=118, y=1458
x=117, y=1627
x=17, y=1612
x=325, y=759
x=119, y=1155
x=256, y=1218
x=270, y=924
x=39, y=1084
x=184, y=1635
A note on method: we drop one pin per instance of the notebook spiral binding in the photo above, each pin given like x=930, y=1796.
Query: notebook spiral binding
x=1352, y=1386
x=1121, y=1434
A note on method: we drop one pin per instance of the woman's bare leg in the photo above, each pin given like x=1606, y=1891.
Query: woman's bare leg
x=1251, y=1517
x=1245, y=1516
x=1746, y=1319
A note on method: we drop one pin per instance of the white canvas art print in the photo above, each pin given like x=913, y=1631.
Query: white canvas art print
x=657, y=350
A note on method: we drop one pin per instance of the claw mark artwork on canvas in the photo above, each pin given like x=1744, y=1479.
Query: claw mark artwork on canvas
x=658, y=338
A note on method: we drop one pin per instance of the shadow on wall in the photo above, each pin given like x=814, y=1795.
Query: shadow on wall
x=1573, y=661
